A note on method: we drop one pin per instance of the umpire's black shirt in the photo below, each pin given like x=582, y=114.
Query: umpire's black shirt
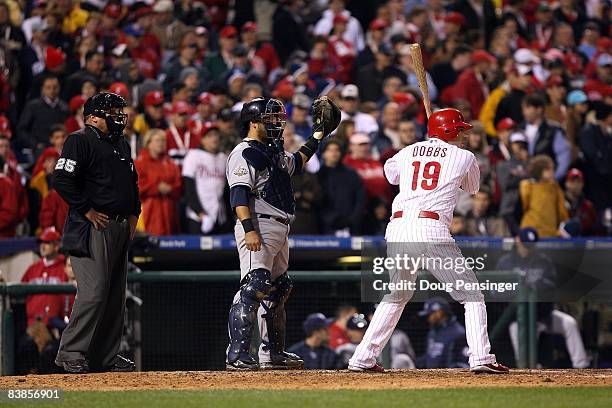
x=95, y=172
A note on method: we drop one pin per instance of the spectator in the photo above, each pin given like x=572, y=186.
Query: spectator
x=473, y=83
x=75, y=121
x=288, y=29
x=345, y=130
x=39, y=347
x=159, y=184
x=147, y=59
x=479, y=14
x=388, y=133
x=370, y=170
x=300, y=108
x=50, y=270
x=169, y=30
x=338, y=329
x=94, y=66
x=9, y=202
x=356, y=327
x=476, y=142
x=409, y=76
x=600, y=86
x=544, y=137
x=40, y=114
x=341, y=53
x=577, y=109
x=204, y=180
x=313, y=350
x=407, y=135
x=542, y=200
x=55, y=65
x=509, y=106
x=349, y=104
x=509, y=175
x=501, y=150
x=57, y=137
x=153, y=115
x=596, y=146
x=374, y=40
x=541, y=32
x=539, y=273
x=12, y=170
x=353, y=33
x=555, y=110
x=184, y=63
x=370, y=78
x=457, y=226
x=262, y=51
x=445, y=74
x=179, y=137
x=581, y=209
x=446, y=342
x=480, y=222
x=343, y=193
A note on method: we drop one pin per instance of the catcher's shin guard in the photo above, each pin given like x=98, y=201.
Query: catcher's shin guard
x=276, y=318
x=243, y=313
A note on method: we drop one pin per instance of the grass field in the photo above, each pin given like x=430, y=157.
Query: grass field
x=455, y=397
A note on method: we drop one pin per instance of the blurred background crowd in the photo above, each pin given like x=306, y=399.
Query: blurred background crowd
x=533, y=77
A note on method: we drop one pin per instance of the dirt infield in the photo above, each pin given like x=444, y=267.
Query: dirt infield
x=312, y=380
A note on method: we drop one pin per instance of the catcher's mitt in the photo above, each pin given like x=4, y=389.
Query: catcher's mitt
x=325, y=117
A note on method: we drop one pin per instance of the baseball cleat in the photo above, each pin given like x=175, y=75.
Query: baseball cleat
x=492, y=368
x=244, y=363
x=284, y=361
x=374, y=369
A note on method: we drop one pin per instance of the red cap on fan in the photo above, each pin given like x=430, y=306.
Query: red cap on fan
x=154, y=98
x=76, y=102
x=49, y=235
x=505, y=124
x=205, y=98
x=120, y=89
x=181, y=107
x=54, y=57
x=404, y=98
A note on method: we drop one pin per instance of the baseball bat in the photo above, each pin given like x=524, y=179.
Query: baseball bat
x=419, y=70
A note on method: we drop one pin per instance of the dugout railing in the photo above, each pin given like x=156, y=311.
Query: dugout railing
x=181, y=323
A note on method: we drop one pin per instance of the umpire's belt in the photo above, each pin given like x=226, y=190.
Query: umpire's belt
x=422, y=214
x=284, y=221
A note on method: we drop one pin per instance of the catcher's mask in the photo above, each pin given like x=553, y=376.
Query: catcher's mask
x=108, y=106
x=270, y=112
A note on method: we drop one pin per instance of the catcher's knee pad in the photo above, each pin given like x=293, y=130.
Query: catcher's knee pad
x=255, y=286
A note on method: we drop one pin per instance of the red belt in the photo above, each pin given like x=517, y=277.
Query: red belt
x=422, y=214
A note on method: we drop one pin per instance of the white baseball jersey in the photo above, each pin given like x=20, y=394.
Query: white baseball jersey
x=429, y=175
x=208, y=171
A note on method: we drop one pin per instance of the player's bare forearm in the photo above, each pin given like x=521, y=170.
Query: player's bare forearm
x=243, y=212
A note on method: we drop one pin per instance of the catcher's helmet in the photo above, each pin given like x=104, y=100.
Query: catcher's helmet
x=446, y=124
x=271, y=112
x=107, y=106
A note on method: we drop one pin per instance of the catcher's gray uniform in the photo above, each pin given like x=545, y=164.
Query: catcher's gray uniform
x=274, y=253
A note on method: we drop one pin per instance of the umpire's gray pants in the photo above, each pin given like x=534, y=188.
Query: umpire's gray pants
x=96, y=323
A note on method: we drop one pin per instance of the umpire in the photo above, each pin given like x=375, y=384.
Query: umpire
x=95, y=175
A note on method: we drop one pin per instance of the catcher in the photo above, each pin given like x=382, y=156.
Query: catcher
x=259, y=174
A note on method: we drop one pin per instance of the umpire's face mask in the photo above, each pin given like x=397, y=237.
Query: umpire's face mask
x=116, y=120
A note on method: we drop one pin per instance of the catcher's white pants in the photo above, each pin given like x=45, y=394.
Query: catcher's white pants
x=434, y=237
x=563, y=324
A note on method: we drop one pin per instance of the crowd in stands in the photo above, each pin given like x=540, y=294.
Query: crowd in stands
x=533, y=77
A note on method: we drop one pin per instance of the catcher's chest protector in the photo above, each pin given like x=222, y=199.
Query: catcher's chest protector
x=277, y=189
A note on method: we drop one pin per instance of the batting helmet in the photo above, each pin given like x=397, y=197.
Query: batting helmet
x=107, y=106
x=271, y=112
x=446, y=124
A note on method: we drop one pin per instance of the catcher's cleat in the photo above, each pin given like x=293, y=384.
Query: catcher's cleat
x=493, y=368
x=284, y=361
x=374, y=369
x=242, y=363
